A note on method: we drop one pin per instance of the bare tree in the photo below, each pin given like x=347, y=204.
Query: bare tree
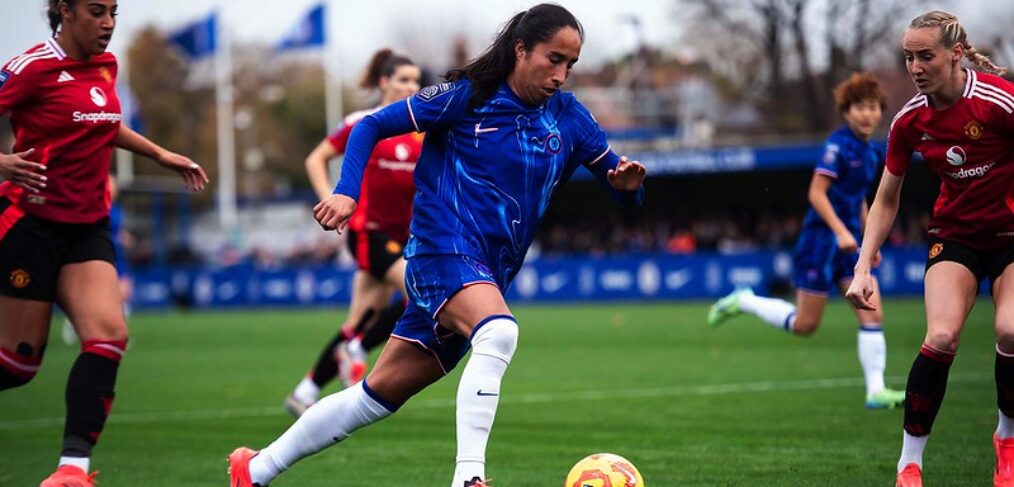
x=784, y=46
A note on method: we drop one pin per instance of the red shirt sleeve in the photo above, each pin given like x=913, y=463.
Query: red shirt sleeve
x=340, y=138
x=899, y=151
x=1007, y=122
x=15, y=89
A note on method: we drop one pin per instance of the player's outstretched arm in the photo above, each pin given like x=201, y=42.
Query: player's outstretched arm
x=878, y=224
x=817, y=195
x=627, y=175
x=625, y=178
x=333, y=213
x=316, y=168
x=194, y=177
x=21, y=172
x=387, y=122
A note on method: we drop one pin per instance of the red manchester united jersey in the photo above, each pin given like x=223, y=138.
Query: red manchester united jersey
x=970, y=145
x=69, y=113
x=385, y=204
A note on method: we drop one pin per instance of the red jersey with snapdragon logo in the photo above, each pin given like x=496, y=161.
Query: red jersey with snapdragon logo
x=385, y=204
x=970, y=145
x=69, y=113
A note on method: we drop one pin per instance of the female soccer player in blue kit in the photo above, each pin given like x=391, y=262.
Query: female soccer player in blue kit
x=501, y=138
x=829, y=242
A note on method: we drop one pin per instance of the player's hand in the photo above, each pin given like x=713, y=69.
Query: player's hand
x=847, y=243
x=860, y=291
x=334, y=212
x=194, y=177
x=627, y=175
x=21, y=172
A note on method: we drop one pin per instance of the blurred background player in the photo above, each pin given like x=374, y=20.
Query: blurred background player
x=828, y=245
x=501, y=139
x=378, y=232
x=54, y=217
x=122, y=239
x=962, y=122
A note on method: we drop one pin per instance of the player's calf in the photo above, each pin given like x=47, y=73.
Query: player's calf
x=90, y=397
x=493, y=344
x=17, y=368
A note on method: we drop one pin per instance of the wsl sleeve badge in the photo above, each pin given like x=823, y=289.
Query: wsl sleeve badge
x=4, y=76
x=430, y=92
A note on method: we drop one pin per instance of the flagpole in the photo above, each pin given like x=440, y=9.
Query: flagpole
x=226, y=135
x=332, y=73
x=125, y=158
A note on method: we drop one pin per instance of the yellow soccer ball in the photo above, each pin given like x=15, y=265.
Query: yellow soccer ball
x=604, y=470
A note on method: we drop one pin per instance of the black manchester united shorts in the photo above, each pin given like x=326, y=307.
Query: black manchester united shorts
x=33, y=250
x=983, y=264
x=375, y=252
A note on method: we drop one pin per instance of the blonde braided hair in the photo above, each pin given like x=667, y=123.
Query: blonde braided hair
x=951, y=33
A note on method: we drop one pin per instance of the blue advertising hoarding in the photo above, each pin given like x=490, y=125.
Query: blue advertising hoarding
x=565, y=279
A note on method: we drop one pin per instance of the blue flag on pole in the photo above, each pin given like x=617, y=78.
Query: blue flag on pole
x=309, y=32
x=198, y=39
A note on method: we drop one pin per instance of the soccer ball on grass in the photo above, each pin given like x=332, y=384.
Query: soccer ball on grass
x=604, y=470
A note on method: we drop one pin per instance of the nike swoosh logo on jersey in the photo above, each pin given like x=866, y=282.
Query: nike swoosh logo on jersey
x=64, y=77
x=480, y=130
x=480, y=393
x=926, y=137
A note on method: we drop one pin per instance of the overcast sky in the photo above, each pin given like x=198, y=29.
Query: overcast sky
x=419, y=28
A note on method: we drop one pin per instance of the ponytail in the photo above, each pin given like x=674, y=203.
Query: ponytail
x=54, y=15
x=383, y=64
x=489, y=70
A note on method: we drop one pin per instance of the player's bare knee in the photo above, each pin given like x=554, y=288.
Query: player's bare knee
x=496, y=336
x=943, y=340
x=1005, y=334
x=805, y=328
x=106, y=330
x=18, y=367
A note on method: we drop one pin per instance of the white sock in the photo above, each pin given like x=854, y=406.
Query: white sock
x=307, y=391
x=872, y=356
x=1004, y=427
x=493, y=345
x=911, y=450
x=80, y=462
x=329, y=421
x=776, y=312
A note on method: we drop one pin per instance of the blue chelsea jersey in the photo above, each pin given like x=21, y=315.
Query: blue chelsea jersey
x=486, y=174
x=852, y=163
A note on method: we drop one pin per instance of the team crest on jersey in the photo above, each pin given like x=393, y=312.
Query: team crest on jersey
x=430, y=92
x=554, y=144
x=20, y=278
x=4, y=76
x=935, y=250
x=106, y=75
x=393, y=247
x=973, y=130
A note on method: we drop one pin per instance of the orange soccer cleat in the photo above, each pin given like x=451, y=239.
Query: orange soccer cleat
x=69, y=476
x=910, y=476
x=477, y=482
x=239, y=467
x=1003, y=475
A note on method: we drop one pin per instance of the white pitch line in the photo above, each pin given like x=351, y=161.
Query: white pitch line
x=530, y=398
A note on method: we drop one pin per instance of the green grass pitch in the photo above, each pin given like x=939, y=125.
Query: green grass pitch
x=739, y=405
